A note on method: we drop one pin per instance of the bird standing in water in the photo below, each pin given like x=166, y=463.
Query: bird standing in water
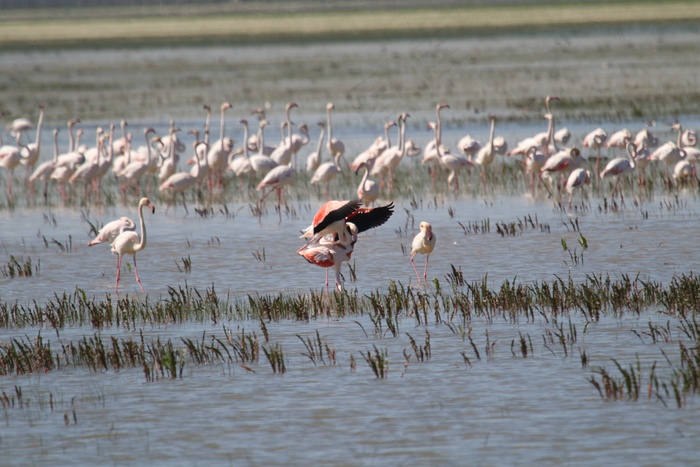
x=423, y=243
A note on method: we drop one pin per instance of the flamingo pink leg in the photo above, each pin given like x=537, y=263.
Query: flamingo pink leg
x=119, y=267
x=136, y=270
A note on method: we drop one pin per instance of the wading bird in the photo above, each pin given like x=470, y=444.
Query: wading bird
x=423, y=243
x=129, y=243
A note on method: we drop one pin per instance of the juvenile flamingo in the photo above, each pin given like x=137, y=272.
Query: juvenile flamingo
x=129, y=243
x=423, y=243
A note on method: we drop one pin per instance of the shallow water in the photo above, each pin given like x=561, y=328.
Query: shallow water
x=504, y=410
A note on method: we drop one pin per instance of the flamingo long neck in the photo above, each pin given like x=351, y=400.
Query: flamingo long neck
x=207, y=122
x=402, y=136
x=141, y=244
x=71, y=140
x=55, y=147
x=550, y=134
x=148, y=146
x=38, y=129
x=289, y=125
x=491, y=134
x=680, y=134
x=439, y=123
x=319, y=148
x=221, y=128
x=364, y=178
x=110, y=153
x=261, y=140
x=245, y=141
x=330, y=129
x=386, y=135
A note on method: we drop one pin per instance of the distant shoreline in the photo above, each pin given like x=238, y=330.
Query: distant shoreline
x=223, y=24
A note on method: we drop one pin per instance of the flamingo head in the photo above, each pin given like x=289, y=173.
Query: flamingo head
x=428, y=229
x=147, y=202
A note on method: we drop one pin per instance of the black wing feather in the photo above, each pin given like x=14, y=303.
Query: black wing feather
x=338, y=214
x=366, y=219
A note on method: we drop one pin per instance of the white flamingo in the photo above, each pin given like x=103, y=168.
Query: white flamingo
x=314, y=159
x=452, y=162
x=368, y=190
x=31, y=152
x=182, y=181
x=217, y=157
x=378, y=146
x=485, y=156
x=620, y=167
x=111, y=230
x=578, y=178
x=335, y=146
x=44, y=170
x=392, y=156
x=423, y=243
x=129, y=242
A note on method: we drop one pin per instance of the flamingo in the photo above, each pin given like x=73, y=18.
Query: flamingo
x=595, y=140
x=576, y=181
x=333, y=215
x=368, y=191
x=332, y=250
x=544, y=141
x=276, y=179
x=183, y=181
x=282, y=154
x=111, y=230
x=645, y=139
x=423, y=243
x=534, y=161
x=129, y=243
x=620, y=167
x=392, y=156
x=217, y=156
x=485, y=155
x=18, y=127
x=330, y=219
x=88, y=170
x=120, y=143
x=314, y=159
x=169, y=164
x=10, y=158
x=670, y=152
x=562, y=162
x=562, y=136
x=431, y=153
x=378, y=146
x=327, y=172
x=452, y=162
x=468, y=145
x=171, y=139
x=105, y=163
x=135, y=170
x=44, y=170
x=260, y=163
x=328, y=253
x=31, y=152
x=619, y=139
x=335, y=146
x=683, y=170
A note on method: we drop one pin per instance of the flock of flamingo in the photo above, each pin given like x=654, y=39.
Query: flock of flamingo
x=545, y=158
